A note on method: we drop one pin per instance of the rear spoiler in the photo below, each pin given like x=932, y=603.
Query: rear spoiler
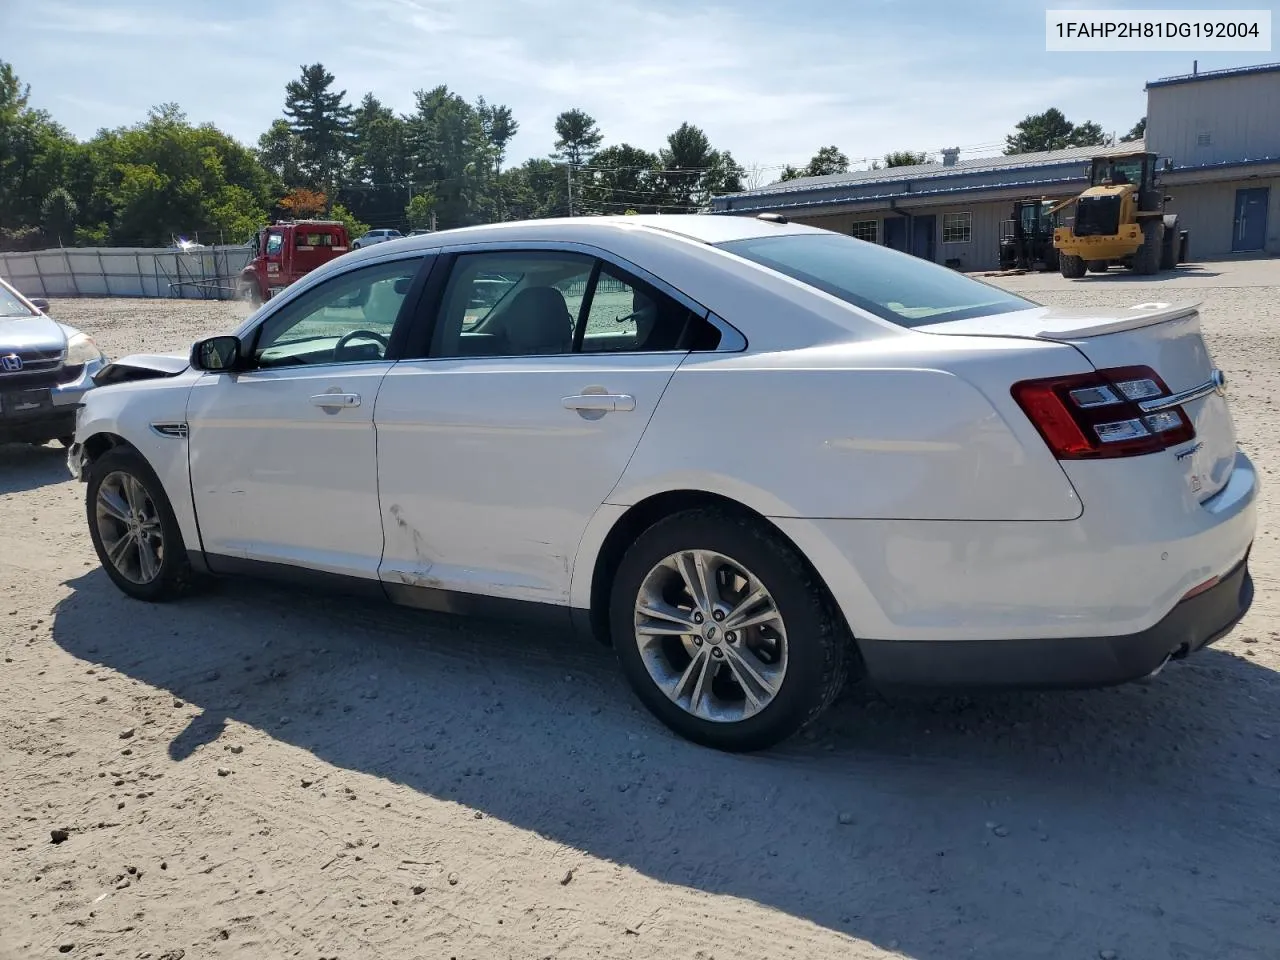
x=1141, y=315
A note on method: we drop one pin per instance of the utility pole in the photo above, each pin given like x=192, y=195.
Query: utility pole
x=568, y=172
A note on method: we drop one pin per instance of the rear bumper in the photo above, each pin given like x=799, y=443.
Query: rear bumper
x=1065, y=661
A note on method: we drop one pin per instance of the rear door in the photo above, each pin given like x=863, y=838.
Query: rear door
x=498, y=445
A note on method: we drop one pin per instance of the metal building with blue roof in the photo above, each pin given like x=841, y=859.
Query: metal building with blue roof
x=1220, y=129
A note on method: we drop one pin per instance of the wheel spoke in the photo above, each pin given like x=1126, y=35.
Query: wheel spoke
x=748, y=676
x=740, y=619
x=694, y=581
x=664, y=621
x=132, y=493
x=116, y=551
x=148, y=562
x=110, y=503
x=698, y=673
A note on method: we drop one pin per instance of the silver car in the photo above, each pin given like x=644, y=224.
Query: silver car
x=45, y=368
x=376, y=236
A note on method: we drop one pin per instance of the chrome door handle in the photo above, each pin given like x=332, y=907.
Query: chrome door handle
x=603, y=402
x=336, y=400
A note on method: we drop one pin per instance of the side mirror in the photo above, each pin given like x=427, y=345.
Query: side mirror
x=40, y=303
x=217, y=354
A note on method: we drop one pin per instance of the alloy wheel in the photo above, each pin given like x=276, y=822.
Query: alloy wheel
x=129, y=527
x=711, y=636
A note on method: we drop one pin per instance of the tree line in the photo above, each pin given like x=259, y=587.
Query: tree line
x=1035, y=133
x=441, y=165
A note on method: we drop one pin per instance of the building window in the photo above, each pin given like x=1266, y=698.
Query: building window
x=867, y=230
x=957, y=227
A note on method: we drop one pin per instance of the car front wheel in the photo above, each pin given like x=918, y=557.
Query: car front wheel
x=133, y=528
x=724, y=632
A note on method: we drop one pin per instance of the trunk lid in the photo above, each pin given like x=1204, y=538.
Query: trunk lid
x=1163, y=336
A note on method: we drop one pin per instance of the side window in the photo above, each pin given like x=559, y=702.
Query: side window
x=628, y=314
x=275, y=242
x=516, y=303
x=346, y=319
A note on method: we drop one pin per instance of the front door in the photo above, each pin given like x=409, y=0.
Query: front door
x=895, y=233
x=275, y=260
x=922, y=231
x=1250, y=227
x=283, y=458
x=498, y=446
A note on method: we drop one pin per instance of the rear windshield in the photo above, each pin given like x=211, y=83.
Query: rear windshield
x=896, y=287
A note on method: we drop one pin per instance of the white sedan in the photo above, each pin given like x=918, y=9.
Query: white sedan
x=756, y=458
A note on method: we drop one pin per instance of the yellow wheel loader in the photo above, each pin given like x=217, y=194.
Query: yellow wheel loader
x=1120, y=219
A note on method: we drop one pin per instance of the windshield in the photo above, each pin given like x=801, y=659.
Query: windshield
x=11, y=306
x=896, y=287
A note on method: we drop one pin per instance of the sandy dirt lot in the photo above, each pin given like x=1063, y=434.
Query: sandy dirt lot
x=257, y=773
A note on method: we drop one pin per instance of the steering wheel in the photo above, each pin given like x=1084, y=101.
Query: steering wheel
x=358, y=335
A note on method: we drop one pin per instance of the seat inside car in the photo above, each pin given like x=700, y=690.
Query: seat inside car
x=538, y=322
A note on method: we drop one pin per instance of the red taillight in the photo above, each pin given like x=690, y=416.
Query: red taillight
x=1098, y=415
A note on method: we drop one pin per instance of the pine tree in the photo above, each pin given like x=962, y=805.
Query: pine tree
x=321, y=119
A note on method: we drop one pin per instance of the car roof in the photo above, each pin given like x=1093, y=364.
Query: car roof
x=702, y=228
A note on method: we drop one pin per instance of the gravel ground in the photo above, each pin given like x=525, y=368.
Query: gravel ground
x=253, y=774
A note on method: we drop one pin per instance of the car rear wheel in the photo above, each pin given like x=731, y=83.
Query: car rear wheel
x=724, y=632
x=133, y=528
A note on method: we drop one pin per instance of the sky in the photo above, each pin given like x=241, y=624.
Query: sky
x=769, y=81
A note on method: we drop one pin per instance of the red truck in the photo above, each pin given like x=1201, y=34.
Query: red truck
x=285, y=252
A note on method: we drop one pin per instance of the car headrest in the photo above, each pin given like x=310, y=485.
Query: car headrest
x=538, y=321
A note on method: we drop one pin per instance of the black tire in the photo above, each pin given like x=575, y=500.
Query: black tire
x=818, y=644
x=1071, y=267
x=1147, y=260
x=174, y=576
x=1098, y=266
